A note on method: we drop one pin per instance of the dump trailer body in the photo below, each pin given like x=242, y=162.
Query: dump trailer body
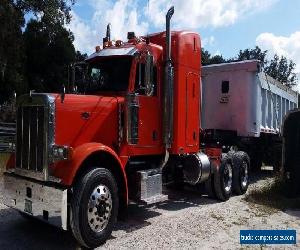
x=240, y=97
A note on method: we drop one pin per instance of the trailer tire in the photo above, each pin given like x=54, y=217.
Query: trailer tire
x=223, y=178
x=240, y=180
x=94, y=207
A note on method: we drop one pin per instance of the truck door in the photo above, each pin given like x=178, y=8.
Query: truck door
x=148, y=132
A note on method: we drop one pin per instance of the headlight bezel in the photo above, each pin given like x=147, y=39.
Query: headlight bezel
x=61, y=153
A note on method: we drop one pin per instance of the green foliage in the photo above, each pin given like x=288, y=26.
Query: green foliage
x=11, y=50
x=250, y=54
x=49, y=52
x=80, y=57
x=207, y=58
x=50, y=11
x=280, y=68
x=283, y=70
x=38, y=58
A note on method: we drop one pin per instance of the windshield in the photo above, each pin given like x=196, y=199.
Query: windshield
x=109, y=74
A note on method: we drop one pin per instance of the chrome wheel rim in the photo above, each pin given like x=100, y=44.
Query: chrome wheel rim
x=227, y=180
x=99, y=208
x=244, y=174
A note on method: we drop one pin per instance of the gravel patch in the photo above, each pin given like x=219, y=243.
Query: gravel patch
x=186, y=221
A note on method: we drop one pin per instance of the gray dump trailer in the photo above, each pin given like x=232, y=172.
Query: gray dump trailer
x=244, y=107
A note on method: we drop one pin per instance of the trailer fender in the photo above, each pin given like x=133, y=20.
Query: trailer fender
x=88, y=151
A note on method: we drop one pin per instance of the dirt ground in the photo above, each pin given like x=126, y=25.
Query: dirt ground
x=186, y=221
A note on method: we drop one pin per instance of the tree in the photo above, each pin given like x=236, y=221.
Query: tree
x=283, y=70
x=52, y=15
x=207, y=58
x=80, y=57
x=50, y=11
x=280, y=68
x=250, y=54
x=49, y=53
x=11, y=50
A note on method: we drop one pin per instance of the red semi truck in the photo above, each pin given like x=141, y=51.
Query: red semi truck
x=132, y=125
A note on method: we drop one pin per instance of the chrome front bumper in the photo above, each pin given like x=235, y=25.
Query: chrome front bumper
x=46, y=203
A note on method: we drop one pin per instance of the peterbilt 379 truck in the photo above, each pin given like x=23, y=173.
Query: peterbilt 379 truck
x=131, y=124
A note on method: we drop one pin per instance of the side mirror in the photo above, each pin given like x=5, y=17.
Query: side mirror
x=149, y=87
x=79, y=76
x=62, y=93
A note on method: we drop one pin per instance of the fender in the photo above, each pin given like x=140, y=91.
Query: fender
x=67, y=170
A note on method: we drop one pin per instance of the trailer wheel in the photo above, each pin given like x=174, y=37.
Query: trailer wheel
x=94, y=207
x=241, y=164
x=223, y=178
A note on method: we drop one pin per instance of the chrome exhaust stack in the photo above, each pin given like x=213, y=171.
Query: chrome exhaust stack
x=108, y=30
x=106, y=39
x=168, y=86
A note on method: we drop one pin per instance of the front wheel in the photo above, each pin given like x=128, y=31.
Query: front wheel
x=94, y=207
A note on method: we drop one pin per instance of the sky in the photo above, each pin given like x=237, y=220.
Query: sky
x=225, y=26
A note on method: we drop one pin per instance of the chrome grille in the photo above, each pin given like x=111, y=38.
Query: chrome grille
x=31, y=142
x=35, y=135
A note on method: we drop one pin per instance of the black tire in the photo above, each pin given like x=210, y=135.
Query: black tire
x=26, y=216
x=84, y=192
x=241, y=166
x=223, y=178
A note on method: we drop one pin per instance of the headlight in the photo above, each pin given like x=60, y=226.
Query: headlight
x=60, y=153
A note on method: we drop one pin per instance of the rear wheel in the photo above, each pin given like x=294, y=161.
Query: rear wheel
x=241, y=164
x=223, y=178
x=94, y=207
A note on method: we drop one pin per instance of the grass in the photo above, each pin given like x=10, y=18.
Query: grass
x=272, y=195
x=3, y=160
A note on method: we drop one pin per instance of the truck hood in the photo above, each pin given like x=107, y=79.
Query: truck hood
x=84, y=118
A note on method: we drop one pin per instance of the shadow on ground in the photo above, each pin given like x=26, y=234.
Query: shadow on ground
x=261, y=175
x=17, y=232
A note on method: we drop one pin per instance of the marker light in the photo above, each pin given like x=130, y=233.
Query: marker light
x=98, y=48
x=119, y=43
